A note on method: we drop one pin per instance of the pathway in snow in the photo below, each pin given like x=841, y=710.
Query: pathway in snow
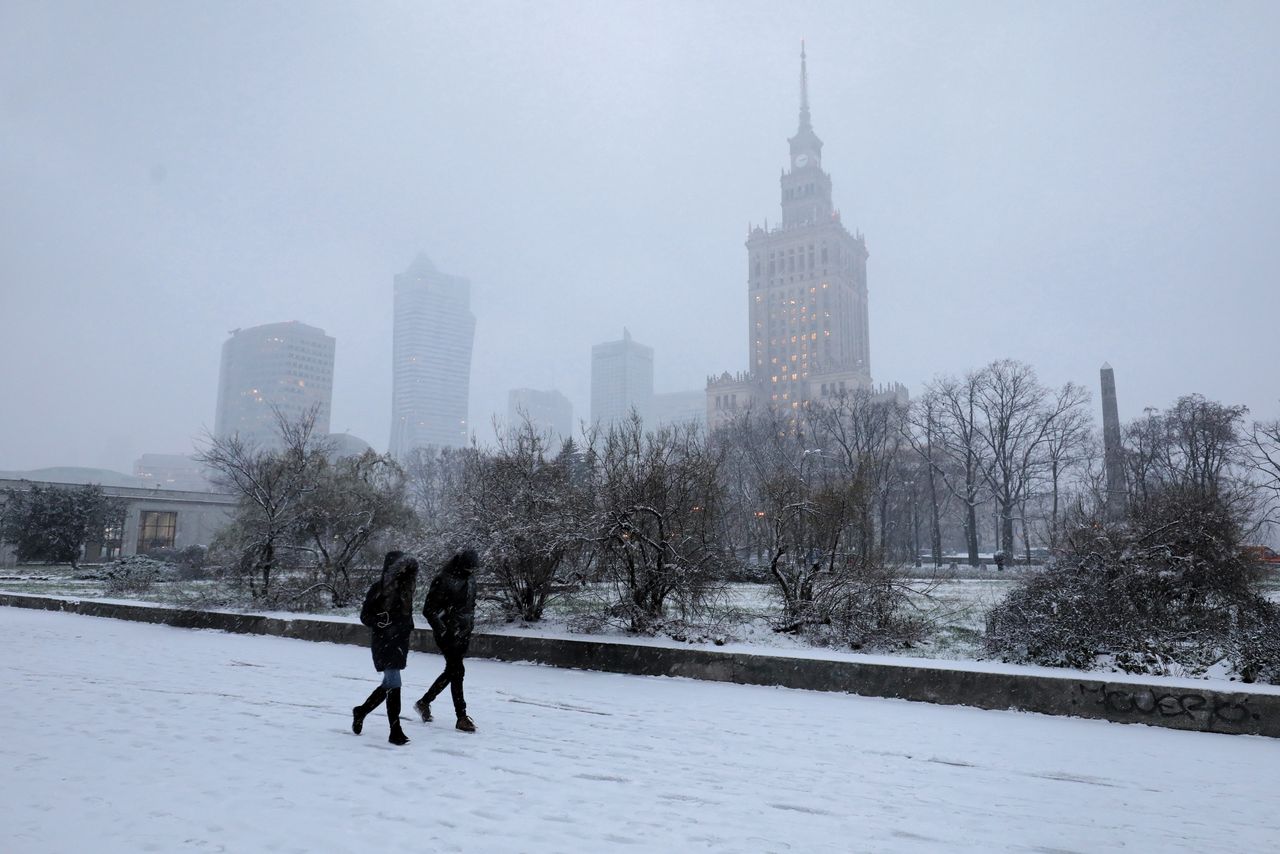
x=128, y=737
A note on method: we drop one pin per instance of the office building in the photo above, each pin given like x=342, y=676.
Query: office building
x=284, y=367
x=621, y=380
x=432, y=338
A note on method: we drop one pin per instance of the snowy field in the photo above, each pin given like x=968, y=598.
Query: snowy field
x=129, y=737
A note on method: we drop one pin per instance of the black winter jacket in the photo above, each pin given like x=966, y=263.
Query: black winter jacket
x=451, y=604
x=390, y=632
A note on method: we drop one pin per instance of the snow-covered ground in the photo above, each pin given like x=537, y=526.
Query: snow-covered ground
x=128, y=737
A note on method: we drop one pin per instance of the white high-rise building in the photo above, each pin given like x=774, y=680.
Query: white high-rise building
x=284, y=366
x=621, y=380
x=550, y=412
x=432, y=338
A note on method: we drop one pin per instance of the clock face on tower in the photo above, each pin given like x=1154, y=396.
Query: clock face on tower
x=801, y=161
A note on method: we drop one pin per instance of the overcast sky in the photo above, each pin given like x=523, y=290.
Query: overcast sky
x=1062, y=183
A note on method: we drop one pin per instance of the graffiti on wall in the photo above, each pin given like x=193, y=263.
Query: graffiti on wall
x=1139, y=700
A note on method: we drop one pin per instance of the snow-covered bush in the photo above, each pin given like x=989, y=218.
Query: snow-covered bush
x=1166, y=591
x=1255, y=642
x=135, y=574
x=189, y=561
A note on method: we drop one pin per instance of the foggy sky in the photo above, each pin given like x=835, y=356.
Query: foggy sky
x=1065, y=184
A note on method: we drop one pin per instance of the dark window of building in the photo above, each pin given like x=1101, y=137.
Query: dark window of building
x=157, y=529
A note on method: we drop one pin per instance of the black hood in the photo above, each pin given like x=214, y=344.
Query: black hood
x=463, y=562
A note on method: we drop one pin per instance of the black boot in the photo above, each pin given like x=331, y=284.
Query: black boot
x=397, y=735
x=423, y=707
x=359, y=713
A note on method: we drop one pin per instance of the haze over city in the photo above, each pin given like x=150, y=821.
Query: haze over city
x=1064, y=185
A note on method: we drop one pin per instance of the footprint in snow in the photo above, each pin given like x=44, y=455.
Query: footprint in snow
x=801, y=808
x=604, y=778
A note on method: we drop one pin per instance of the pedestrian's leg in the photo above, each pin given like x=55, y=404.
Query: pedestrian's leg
x=392, y=682
x=457, y=671
x=423, y=705
x=359, y=713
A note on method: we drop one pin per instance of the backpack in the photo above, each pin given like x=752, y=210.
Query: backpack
x=372, y=605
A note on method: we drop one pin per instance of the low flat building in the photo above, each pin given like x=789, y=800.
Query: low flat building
x=155, y=519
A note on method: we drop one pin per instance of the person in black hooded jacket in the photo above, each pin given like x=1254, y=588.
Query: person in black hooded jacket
x=388, y=612
x=450, y=608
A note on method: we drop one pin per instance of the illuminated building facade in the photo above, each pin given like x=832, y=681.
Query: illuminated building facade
x=808, y=334
x=284, y=366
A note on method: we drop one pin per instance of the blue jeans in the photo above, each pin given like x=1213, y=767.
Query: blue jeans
x=390, y=678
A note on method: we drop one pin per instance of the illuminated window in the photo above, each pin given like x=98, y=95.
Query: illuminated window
x=156, y=530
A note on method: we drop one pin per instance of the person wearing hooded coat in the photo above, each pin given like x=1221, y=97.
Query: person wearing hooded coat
x=450, y=608
x=388, y=612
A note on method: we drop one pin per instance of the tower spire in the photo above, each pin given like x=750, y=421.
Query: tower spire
x=804, y=91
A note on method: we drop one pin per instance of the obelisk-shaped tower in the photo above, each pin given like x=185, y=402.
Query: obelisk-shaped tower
x=1113, y=453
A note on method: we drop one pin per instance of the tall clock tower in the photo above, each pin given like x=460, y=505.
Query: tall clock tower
x=808, y=337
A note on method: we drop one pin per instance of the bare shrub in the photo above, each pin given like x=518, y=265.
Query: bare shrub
x=657, y=518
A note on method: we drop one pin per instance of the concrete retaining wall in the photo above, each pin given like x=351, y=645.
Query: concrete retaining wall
x=1204, y=709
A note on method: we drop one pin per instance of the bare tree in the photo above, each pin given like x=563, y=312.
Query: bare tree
x=1197, y=444
x=1067, y=446
x=1017, y=415
x=351, y=502
x=923, y=431
x=862, y=436
x=435, y=479
x=771, y=484
x=959, y=441
x=658, y=509
x=271, y=485
x=1264, y=459
x=524, y=509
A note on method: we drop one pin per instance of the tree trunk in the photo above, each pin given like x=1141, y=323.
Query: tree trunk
x=1026, y=533
x=1053, y=520
x=1007, y=544
x=971, y=532
x=935, y=524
